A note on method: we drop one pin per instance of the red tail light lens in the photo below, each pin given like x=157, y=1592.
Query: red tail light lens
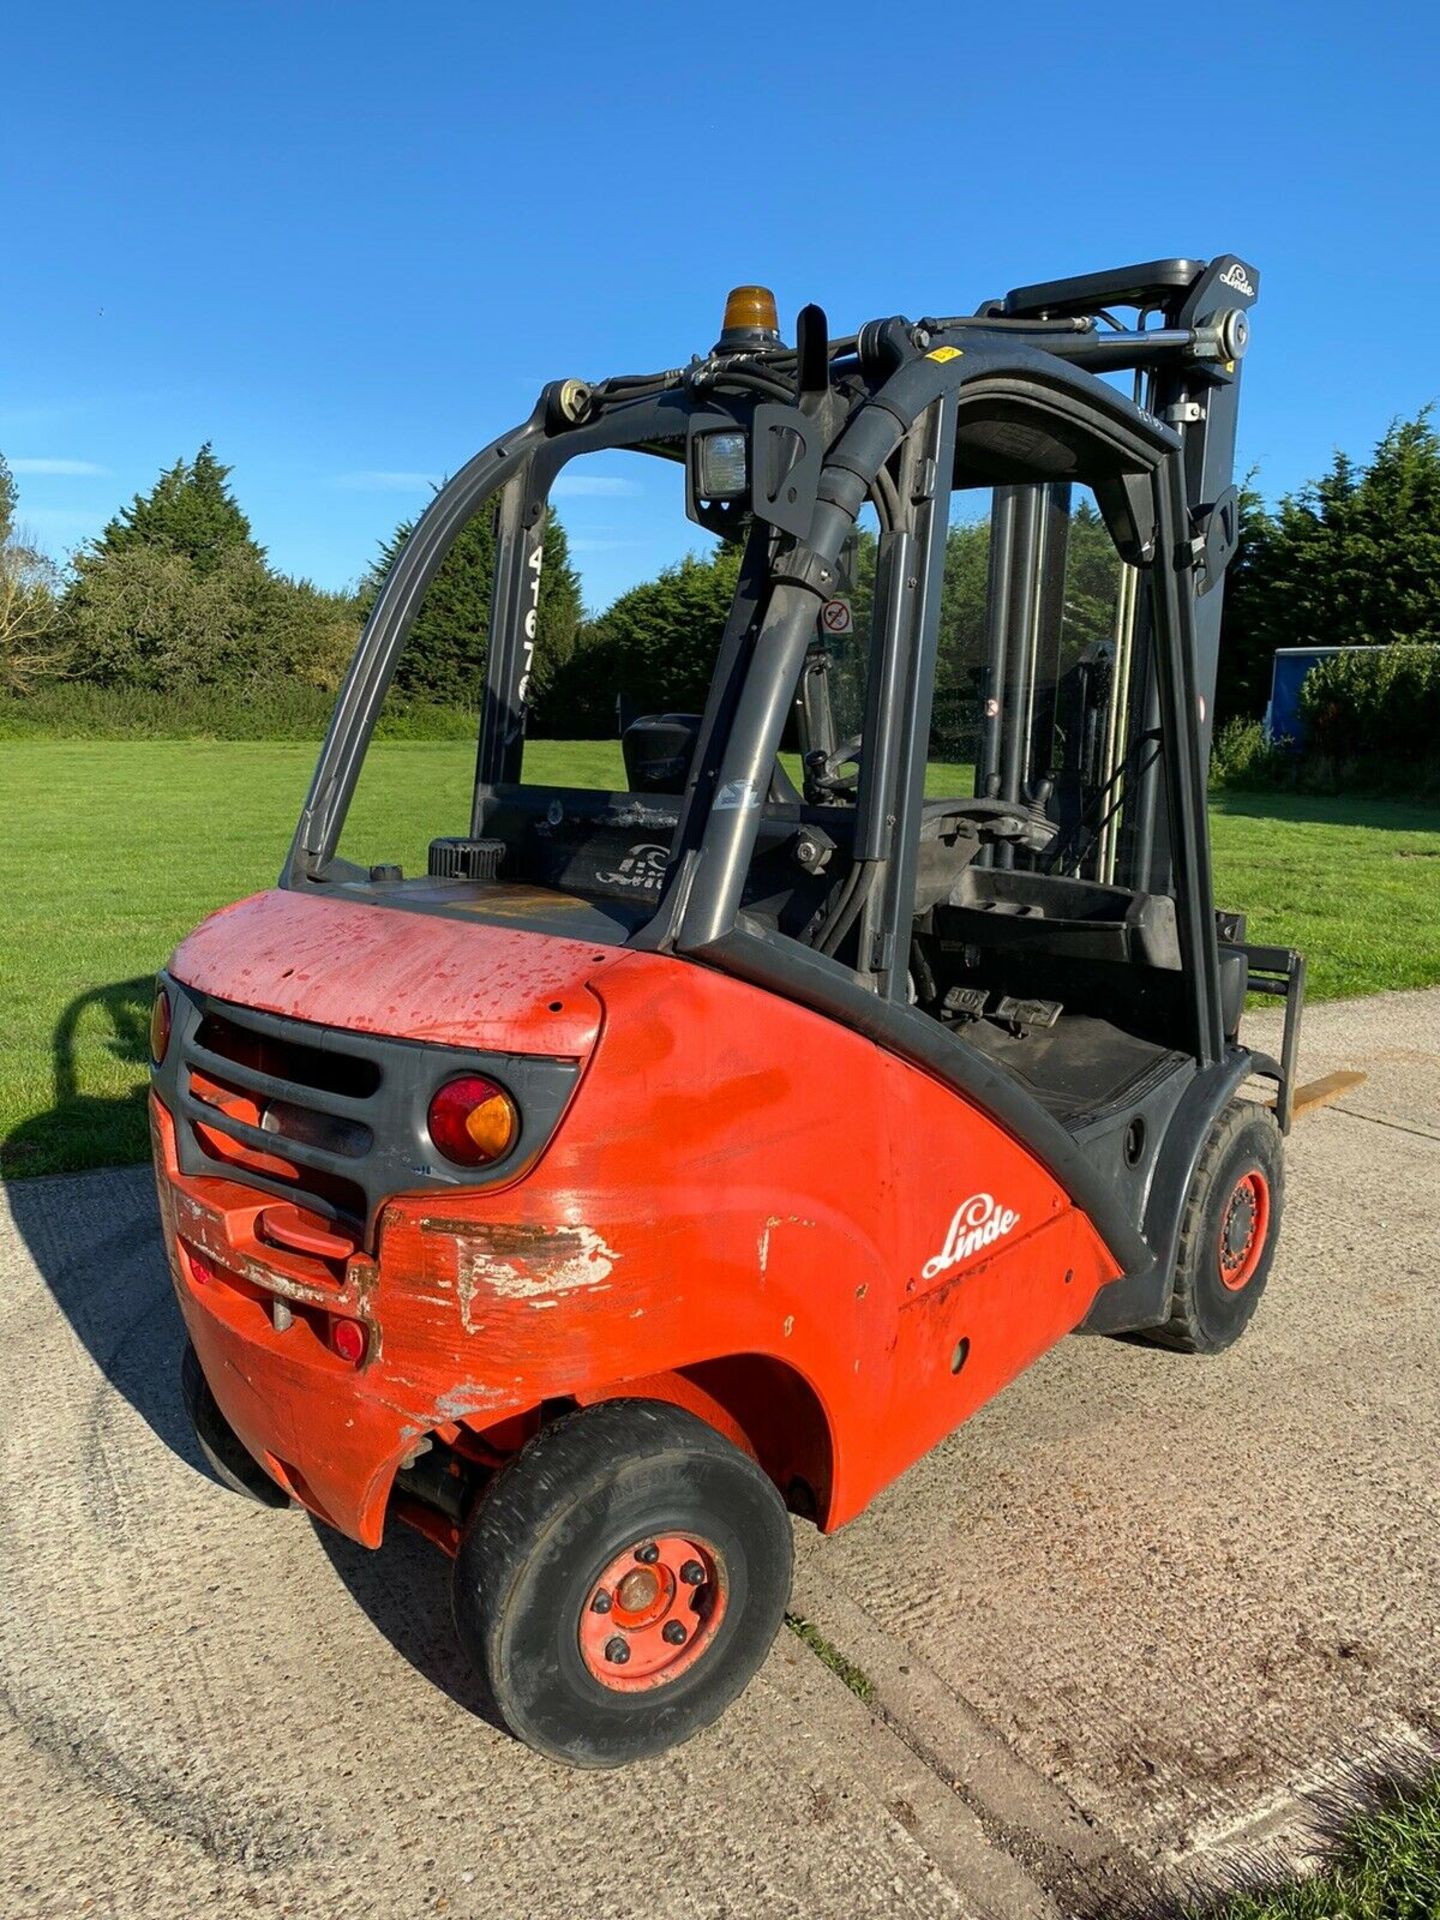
x=202, y=1267
x=159, y=1025
x=472, y=1121
x=348, y=1339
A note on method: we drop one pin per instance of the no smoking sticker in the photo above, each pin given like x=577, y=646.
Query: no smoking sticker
x=835, y=616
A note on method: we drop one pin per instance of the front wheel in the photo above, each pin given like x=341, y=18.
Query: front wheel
x=620, y=1582
x=1227, y=1238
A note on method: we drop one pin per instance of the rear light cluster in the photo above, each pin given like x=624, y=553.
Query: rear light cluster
x=473, y=1121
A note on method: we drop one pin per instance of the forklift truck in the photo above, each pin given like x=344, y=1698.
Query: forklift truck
x=662, y=1163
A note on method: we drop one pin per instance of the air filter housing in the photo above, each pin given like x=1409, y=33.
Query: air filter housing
x=455, y=859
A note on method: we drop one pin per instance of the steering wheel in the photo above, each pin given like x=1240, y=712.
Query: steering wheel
x=1013, y=820
x=1018, y=821
x=822, y=770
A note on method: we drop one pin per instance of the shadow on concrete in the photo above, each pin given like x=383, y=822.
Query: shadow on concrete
x=404, y=1589
x=95, y=1239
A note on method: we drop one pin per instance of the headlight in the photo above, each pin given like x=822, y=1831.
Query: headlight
x=721, y=466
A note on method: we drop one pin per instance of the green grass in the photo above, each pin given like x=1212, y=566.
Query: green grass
x=829, y=1655
x=1354, y=884
x=1385, y=1865
x=114, y=849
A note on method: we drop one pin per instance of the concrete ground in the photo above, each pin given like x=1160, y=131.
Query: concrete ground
x=1113, y=1633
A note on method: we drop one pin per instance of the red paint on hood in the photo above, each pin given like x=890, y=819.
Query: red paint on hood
x=383, y=970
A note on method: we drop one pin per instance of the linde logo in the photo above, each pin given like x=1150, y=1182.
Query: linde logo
x=1236, y=276
x=643, y=867
x=979, y=1222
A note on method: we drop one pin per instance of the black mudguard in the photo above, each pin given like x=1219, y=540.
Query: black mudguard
x=1142, y=1298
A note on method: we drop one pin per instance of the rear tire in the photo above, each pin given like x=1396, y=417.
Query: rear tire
x=680, y=1538
x=1228, y=1235
x=225, y=1452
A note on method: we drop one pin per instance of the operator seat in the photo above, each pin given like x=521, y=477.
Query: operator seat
x=658, y=749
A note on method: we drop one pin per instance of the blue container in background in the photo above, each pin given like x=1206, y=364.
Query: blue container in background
x=1283, y=718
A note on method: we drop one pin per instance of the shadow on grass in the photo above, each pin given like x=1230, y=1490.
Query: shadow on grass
x=82, y=1129
x=1329, y=809
x=1374, y=1837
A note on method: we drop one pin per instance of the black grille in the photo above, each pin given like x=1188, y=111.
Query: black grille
x=328, y=1117
x=327, y=1072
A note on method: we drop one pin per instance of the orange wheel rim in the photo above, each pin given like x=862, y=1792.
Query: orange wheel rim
x=1244, y=1228
x=652, y=1612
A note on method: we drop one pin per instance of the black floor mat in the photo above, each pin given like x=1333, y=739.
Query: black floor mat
x=1075, y=1067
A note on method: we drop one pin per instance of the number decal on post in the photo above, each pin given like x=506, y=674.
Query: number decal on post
x=534, y=561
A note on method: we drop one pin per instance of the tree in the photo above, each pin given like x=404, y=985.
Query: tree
x=189, y=511
x=31, y=648
x=1352, y=559
x=652, y=651
x=147, y=617
x=444, y=657
x=176, y=593
x=1242, y=680
x=8, y=502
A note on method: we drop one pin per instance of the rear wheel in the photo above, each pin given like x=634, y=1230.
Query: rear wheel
x=224, y=1451
x=1227, y=1238
x=620, y=1582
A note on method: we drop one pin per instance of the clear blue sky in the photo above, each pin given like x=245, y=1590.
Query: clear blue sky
x=348, y=242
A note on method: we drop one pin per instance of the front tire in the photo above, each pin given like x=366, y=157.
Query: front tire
x=1228, y=1235
x=620, y=1582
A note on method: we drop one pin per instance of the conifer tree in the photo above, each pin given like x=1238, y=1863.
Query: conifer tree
x=189, y=511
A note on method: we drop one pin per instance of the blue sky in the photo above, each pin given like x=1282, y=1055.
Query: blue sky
x=348, y=242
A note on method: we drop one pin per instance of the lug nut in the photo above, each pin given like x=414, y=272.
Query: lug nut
x=649, y=1553
x=693, y=1574
x=601, y=1602
x=674, y=1632
x=617, y=1651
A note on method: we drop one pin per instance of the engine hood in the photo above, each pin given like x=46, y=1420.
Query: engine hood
x=412, y=976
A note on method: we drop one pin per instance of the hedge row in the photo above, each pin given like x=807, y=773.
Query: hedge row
x=262, y=711
x=1381, y=703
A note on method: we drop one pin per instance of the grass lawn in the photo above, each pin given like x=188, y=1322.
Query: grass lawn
x=114, y=849
x=1385, y=1865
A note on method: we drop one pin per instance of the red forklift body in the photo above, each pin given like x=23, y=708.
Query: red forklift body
x=729, y=1216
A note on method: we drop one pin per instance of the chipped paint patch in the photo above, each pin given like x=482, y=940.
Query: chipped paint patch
x=534, y=1264
x=199, y=1226
x=460, y=1402
x=776, y=1220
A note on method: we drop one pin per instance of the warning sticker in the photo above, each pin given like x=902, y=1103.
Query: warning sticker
x=835, y=617
x=943, y=354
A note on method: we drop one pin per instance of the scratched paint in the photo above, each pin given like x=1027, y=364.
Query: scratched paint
x=776, y=1220
x=535, y=1264
x=424, y=978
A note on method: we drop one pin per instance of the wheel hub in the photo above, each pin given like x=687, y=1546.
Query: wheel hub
x=638, y=1590
x=1243, y=1228
x=652, y=1613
